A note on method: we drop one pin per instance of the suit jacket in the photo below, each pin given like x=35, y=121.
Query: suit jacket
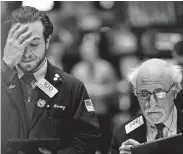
x=77, y=128
x=138, y=134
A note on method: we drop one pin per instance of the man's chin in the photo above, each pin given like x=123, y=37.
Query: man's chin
x=27, y=68
x=155, y=118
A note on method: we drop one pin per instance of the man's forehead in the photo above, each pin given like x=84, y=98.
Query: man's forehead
x=36, y=27
x=152, y=68
x=153, y=75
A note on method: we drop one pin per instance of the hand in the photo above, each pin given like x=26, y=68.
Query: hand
x=126, y=146
x=45, y=151
x=42, y=150
x=18, y=39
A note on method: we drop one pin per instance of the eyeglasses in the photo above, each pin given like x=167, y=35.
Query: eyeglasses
x=157, y=93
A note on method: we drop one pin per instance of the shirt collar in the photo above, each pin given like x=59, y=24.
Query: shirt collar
x=39, y=74
x=170, y=123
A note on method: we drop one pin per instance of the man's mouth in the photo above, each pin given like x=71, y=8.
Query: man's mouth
x=27, y=60
x=154, y=113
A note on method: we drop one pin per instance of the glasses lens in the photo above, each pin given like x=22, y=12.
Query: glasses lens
x=144, y=95
x=160, y=95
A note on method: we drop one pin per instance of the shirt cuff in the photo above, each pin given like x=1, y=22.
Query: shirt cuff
x=7, y=73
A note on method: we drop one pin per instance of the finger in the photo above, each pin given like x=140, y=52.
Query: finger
x=12, y=31
x=125, y=152
x=131, y=142
x=45, y=151
x=125, y=148
x=24, y=36
x=19, y=32
x=20, y=152
x=26, y=42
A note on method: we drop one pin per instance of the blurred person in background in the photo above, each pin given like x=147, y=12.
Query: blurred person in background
x=55, y=53
x=177, y=55
x=40, y=101
x=128, y=104
x=100, y=79
x=156, y=84
x=126, y=64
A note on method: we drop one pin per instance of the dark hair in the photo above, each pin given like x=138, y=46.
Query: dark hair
x=178, y=48
x=27, y=14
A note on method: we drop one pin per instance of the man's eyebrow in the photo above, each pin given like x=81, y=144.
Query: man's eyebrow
x=36, y=38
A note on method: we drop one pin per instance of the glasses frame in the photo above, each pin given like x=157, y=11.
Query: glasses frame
x=153, y=93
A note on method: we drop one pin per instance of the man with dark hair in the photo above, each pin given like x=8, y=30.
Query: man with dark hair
x=39, y=100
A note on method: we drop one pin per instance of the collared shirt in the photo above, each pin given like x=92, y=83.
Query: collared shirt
x=39, y=74
x=30, y=97
x=169, y=130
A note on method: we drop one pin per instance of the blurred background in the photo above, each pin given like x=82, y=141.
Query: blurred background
x=100, y=41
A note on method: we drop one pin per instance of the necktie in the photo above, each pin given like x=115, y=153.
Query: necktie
x=27, y=82
x=27, y=79
x=160, y=127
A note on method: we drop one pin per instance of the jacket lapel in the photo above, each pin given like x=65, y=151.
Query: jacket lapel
x=51, y=71
x=139, y=134
x=15, y=92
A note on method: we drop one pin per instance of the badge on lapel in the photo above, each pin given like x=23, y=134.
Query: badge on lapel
x=57, y=78
x=12, y=86
x=41, y=103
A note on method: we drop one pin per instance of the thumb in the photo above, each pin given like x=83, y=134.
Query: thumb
x=44, y=151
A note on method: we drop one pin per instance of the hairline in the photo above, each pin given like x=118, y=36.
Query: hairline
x=167, y=65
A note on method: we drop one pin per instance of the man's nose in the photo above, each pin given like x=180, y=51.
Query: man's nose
x=27, y=52
x=153, y=101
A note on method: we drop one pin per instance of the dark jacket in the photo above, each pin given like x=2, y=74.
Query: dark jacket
x=77, y=128
x=138, y=134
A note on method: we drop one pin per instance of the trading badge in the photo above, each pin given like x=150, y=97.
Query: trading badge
x=47, y=87
x=134, y=124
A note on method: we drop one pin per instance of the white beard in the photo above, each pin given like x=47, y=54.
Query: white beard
x=155, y=115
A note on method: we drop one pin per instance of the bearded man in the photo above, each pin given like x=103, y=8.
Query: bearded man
x=156, y=84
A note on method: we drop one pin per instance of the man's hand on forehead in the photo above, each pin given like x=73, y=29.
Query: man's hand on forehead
x=18, y=38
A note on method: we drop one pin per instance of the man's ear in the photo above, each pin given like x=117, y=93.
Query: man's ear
x=174, y=94
x=48, y=41
x=175, y=90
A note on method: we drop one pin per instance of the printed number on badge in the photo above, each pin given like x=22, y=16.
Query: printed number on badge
x=47, y=87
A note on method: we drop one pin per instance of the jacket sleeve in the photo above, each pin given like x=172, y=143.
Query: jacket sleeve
x=7, y=73
x=114, y=145
x=85, y=125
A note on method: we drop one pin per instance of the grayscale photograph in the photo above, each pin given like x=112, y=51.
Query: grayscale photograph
x=91, y=77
